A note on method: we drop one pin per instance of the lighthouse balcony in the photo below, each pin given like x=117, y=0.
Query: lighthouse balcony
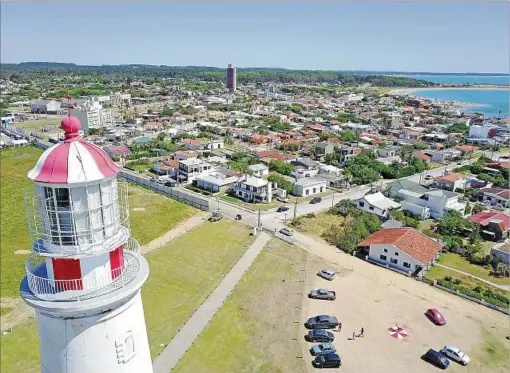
x=93, y=282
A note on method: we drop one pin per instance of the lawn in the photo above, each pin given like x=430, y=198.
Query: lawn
x=14, y=235
x=153, y=214
x=318, y=224
x=255, y=330
x=437, y=273
x=424, y=225
x=493, y=352
x=458, y=262
x=37, y=124
x=184, y=272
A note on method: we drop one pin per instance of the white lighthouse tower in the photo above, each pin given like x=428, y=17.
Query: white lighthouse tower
x=85, y=272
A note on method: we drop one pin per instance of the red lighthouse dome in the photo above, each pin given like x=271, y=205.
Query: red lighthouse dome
x=73, y=161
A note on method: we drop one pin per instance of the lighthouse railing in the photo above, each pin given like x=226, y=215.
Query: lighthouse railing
x=44, y=287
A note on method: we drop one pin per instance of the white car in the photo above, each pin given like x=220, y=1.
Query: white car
x=326, y=274
x=456, y=354
x=287, y=231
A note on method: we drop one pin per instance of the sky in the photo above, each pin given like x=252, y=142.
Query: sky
x=382, y=36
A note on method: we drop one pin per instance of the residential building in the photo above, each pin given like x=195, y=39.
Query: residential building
x=442, y=155
x=46, y=107
x=190, y=168
x=495, y=226
x=501, y=252
x=117, y=151
x=451, y=181
x=192, y=144
x=378, y=204
x=120, y=99
x=93, y=115
x=231, y=78
x=497, y=197
x=323, y=148
x=215, y=144
x=168, y=167
x=309, y=186
x=389, y=151
x=482, y=132
x=216, y=182
x=259, y=169
x=300, y=172
x=404, y=249
x=423, y=202
x=253, y=189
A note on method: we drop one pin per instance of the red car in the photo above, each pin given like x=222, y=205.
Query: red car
x=436, y=316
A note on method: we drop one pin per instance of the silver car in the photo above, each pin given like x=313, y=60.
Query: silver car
x=456, y=354
x=326, y=274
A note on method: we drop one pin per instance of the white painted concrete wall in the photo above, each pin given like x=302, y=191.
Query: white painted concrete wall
x=377, y=250
x=113, y=342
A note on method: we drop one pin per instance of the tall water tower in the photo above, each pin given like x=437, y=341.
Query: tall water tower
x=85, y=272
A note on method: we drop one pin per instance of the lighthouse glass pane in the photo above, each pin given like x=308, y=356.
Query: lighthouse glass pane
x=65, y=218
x=95, y=213
x=106, y=196
x=80, y=214
x=52, y=230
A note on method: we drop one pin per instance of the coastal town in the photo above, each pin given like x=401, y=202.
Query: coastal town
x=362, y=194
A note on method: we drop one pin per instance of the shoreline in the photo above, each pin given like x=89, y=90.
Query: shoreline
x=407, y=91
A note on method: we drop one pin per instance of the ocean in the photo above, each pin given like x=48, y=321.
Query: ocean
x=493, y=100
x=464, y=79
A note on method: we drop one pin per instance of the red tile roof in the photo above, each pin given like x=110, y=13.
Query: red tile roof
x=119, y=149
x=408, y=240
x=500, y=192
x=267, y=153
x=484, y=218
x=423, y=156
x=452, y=176
x=467, y=148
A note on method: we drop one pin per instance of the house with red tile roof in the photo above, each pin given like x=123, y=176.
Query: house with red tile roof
x=495, y=225
x=466, y=149
x=267, y=154
x=404, y=249
x=451, y=181
x=496, y=197
x=192, y=144
x=427, y=158
x=166, y=167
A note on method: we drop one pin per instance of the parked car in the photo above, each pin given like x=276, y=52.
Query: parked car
x=287, y=231
x=456, y=354
x=322, y=349
x=320, y=335
x=282, y=199
x=282, y=209
x=326, y=274
x=322, y=294
x=316, y=200
x=322, y=322
x=436, y=358
x=327, y=361
x=436, y=316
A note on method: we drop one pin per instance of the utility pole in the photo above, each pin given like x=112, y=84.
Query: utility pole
x=260, y=224
x=333, y=201
x=295, y=207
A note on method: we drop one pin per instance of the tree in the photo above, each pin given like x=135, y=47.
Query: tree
x=453, y=223
x=281, y=182
x=281, y=167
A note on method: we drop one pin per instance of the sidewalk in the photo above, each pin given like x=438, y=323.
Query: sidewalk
x=503, y=287
x=175, y=350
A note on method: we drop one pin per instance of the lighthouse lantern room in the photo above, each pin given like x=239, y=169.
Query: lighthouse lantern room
x=85, y=271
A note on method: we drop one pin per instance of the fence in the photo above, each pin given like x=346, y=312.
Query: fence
x=187, y=197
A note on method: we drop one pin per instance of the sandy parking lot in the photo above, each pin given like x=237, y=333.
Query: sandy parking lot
x=375, y=298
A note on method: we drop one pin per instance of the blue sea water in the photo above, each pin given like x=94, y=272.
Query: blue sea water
x=493, y=100
x=464, y=79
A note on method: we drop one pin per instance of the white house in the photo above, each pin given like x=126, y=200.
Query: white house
x=254, y=189
x=404, y=249
x=215, y=182
x=451, y=181
x=300, y=172
x=215, y=144
x=424, y=202
x=45, y=106
x=190, y=168
x=308, y=186
x=259, y=169
x=377, y=204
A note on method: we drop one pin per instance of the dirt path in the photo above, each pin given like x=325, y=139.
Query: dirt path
x=175, y=232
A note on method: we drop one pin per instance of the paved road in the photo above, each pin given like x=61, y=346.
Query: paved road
x=503, y=287
x=175, y=350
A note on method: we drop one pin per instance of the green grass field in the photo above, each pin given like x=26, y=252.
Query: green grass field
x=247, y=335
x=458, y=262
x=182, y=274
x=14, y=235
x=153, y=214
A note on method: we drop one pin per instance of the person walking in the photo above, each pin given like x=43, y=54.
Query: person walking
x=340, y=326
x=361, y=333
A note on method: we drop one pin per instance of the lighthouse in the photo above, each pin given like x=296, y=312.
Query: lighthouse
x=85, y=272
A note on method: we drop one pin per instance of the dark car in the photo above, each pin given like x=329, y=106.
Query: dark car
x=320, y=335
x=322, y=294
x=316, y=200
x=282, y=209
x=322, y=322
x=436, y=358
x=327, y=361
x=436, y=316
